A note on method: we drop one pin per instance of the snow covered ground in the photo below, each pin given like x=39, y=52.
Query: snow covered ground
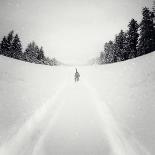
x=110, y=111
x=129, y=90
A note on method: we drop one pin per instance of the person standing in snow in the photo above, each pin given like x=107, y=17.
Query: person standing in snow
x=76, y=76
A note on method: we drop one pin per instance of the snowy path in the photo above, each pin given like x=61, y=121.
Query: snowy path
x=73, y=122
x=77, y=130
x=26, y=138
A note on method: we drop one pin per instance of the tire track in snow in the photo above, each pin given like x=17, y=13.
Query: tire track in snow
x=121, y=140
x=29, y=134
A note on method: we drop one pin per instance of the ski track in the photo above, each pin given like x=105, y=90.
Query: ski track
x=121, y=140
x=77, y=129
x=31, y=138
x=25, y=140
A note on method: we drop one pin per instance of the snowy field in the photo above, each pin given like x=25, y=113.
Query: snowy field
x=110, y=111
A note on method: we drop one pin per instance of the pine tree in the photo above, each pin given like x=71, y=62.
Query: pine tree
x=6, y=45
x=132, y=38
x=120, y=46
x=3, y=46
x=147, y=38
x=109, y=49
x=41, y=54
x=9, y=42
x=101, y=59
x=17, y=48
x=120, y=40
x=31, y=53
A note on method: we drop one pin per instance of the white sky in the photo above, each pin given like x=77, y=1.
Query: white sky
x=70, y=30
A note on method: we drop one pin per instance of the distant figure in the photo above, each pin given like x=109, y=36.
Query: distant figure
x=76, y=76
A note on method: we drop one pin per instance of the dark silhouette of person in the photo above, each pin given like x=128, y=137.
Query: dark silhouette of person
x=76, y=76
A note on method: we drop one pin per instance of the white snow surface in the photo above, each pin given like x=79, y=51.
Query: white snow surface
x=110, y=111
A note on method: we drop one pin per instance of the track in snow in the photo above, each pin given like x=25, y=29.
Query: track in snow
x=73, y=122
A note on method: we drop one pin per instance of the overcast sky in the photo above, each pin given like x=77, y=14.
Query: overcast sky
x=70, y=30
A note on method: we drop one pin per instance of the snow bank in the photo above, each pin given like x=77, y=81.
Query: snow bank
x=129, y=89
x=24, y=87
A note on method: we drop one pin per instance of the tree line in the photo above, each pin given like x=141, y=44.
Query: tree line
x=138, y=40
x=11, y=46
